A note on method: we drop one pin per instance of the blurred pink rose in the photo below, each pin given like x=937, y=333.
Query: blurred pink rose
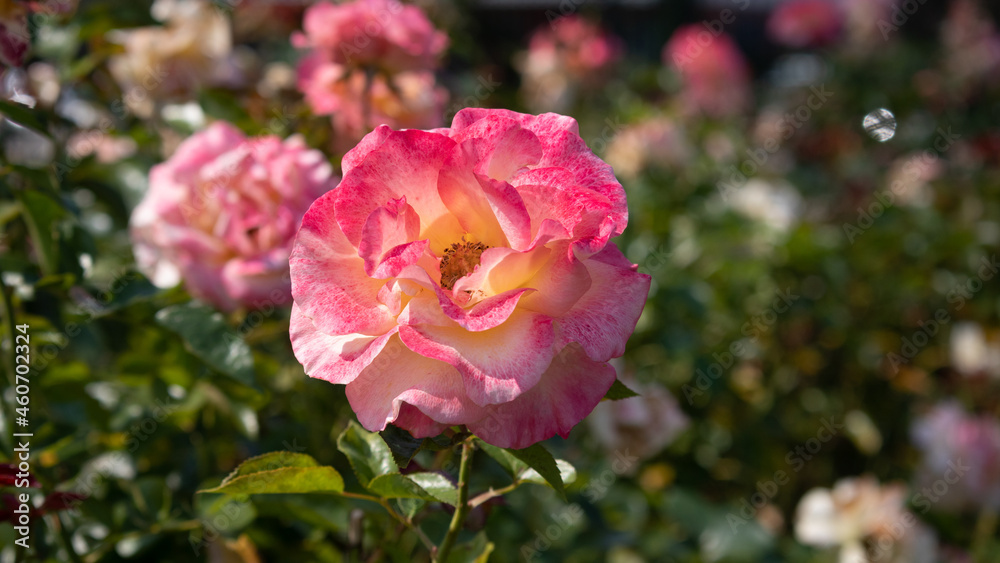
x=562, y=56
x=805, y=23
x=407, y=100
x=221, y=214
x=972, y=45
x=378, y=34
x=715, y=76
x=951, y=438
x=583, y=46
x=465, y=276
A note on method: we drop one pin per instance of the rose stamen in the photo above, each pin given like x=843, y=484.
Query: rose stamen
x=460, y=260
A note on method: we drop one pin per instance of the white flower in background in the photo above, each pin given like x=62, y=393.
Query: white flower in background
x=857, y=511
x=775, y=204
x=655, y=141
x=641, y=426
x=909, y=179
x=971, y=353
x=171, y=62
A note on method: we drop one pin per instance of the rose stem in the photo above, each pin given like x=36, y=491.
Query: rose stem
x=462, y=508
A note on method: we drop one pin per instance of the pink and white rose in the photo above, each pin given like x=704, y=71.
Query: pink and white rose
x=222, y=212
x=464, y=276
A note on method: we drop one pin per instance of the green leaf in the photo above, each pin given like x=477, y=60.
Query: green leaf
x=269, y=461
x=566, y=472
x=404, y=446
x=42, y=214
x=223, y=104
x=368, y=453
x=619, y=391
x=25, y=116
x=512, y=465
x=437, y=485
x=285, y=480
x=409, y=507
x=424, y=486
x=477, y=550
x=395, y=485
x=207, y=336
x=538, y=458
x=280, y=472
x=132, y=288
x=516, y=463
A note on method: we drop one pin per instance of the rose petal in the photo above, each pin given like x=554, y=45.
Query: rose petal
x=604, y=318
x=497, y=364
x=418, y=424
x=399, y=376
x=337, y=359
x=387, y=239
x=509, y=210
x=329, y=280
x=405, y=164
x=500, y=145
x=560, y=284
x=566, y=393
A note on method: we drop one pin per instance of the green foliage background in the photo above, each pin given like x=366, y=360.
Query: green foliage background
x=140, y=398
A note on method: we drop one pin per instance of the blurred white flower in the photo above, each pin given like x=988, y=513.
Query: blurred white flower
x=107, y=148
x=857, y=511
x=171, y=62
x=971, y=353
x=655, y=141
x=909, y=179
x=642, y=425
x=776, y=204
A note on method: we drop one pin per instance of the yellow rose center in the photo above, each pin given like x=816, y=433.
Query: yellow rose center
x=460, y=260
